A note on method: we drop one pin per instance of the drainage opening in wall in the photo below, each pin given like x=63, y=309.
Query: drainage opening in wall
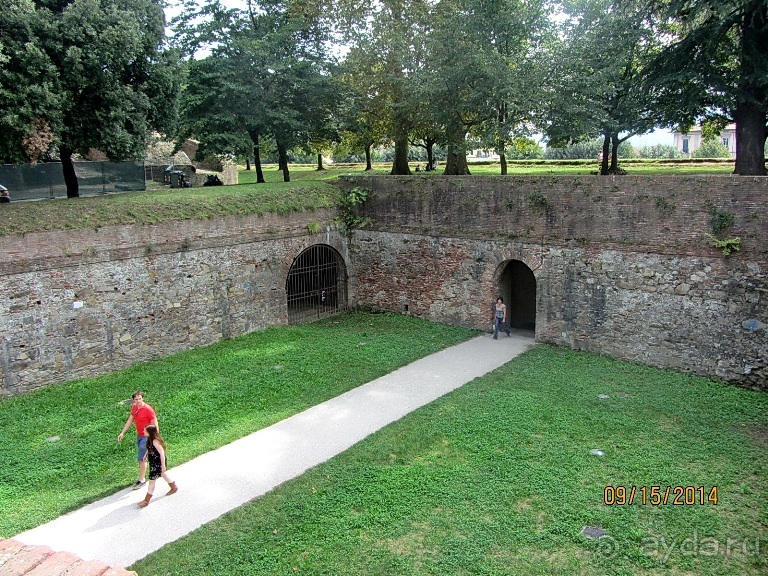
x=316, y=285
x=517, y=285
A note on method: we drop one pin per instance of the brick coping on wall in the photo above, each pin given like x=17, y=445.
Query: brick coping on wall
x=17, y=559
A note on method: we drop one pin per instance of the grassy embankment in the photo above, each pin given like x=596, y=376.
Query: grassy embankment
x=309, y=190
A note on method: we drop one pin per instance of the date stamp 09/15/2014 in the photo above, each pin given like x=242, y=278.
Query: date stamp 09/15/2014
x=659, y=495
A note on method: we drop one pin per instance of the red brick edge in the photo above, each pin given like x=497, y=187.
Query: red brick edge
x=17, y=559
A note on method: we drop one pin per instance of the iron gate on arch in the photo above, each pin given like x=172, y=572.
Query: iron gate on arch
x=316, y=285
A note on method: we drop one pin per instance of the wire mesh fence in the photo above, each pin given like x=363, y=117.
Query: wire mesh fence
x=46, y=180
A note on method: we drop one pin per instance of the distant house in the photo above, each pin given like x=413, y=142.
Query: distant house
x=691, y=141
x=482, y=154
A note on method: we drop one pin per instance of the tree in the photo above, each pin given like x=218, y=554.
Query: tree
x=599, y=83
x=482, y=74
x=518, y=32
x=386, y=42
x=717, y=67
x=712, y=147
x=361, y=121
x=105, y=79
x=28, y=96
x=267, y=75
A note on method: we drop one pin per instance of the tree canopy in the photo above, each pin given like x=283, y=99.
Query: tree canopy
x=91, y=73
x=267, y=74
x=81, y=74
x=716, y=67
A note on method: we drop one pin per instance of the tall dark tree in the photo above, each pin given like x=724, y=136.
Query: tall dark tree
x=718, y=67
x=29, y=100
x=105, y=81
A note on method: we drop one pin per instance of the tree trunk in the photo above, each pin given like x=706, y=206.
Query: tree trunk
x=400, y=165
x=750, y=139
x=320, y=161
x=247, y=162
x=70, y=176
x=257, y=156
x=501, y=146
x=606, y=153
x=751, y=108
x=283, y=161
x=368, y=164
x=614, y=169
x=429, y=144
x=456, y=163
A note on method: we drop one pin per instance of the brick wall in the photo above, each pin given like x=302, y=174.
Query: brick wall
x=669, y=214
x=82, y=303
x=623, y=265
x=17, y=559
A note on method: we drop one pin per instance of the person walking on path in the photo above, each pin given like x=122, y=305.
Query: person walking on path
x=157, y=464
x=142, y=415
x=500, y=318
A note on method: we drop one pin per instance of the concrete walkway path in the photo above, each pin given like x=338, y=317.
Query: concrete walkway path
x=115, y=531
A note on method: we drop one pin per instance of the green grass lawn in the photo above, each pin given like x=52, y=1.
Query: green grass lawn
x=305, y=172
x=205, y=398
x=497, y=478
x=309, y=189
x=159, y=205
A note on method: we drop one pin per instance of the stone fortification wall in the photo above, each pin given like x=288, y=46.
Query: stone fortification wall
x=82, y=303
x=669, y=214
x=623, y=265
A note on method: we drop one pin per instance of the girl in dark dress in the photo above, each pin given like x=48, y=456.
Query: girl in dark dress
x=157, y=464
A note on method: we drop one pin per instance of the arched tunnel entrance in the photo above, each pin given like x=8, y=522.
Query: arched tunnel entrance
x=517, y=285
x=316, y=285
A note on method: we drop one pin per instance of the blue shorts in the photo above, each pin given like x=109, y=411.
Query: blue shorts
x=141, y=444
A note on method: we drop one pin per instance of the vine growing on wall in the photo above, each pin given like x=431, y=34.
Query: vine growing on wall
x=727, y=245
x=720, y=220
x=348, y=217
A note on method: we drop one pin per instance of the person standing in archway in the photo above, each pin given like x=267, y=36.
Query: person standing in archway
x=500, y=318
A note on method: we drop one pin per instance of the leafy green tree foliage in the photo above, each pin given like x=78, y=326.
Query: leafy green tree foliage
x=518, y=33
x=717, y=67
x=100, y=77
x=481, y=76
x=584, y=150
x=660, y=151
x=27, y=82
x=712, y=147
x=598, y=76
x=386, y=41
x=362, y=121
x=267, y=75
x=522, y=148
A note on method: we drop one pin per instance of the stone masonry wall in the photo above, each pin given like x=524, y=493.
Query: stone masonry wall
x=82, y=303
x=623, y=265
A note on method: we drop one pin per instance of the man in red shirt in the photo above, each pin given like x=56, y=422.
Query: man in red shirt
x=142, y=415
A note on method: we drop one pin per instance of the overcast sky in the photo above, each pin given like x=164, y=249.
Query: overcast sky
x=662, y=136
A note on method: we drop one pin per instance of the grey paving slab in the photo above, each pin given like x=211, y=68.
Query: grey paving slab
x=115, y=531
